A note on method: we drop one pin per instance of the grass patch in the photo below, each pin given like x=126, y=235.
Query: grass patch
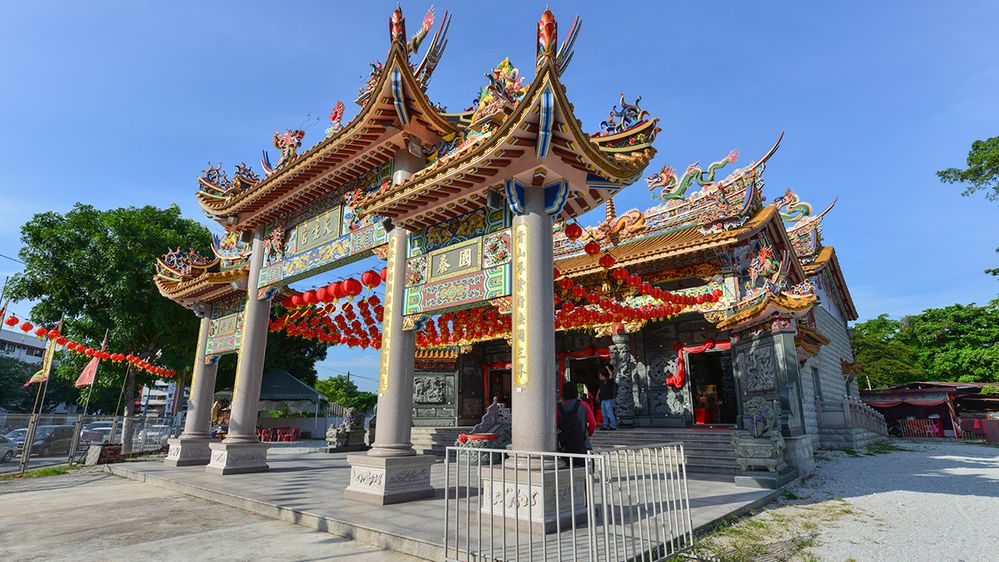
x=884, y=448
x=790, y=496
x=851, y=452
x=37, y=473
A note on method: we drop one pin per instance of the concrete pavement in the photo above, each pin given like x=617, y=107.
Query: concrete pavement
x=93, y=515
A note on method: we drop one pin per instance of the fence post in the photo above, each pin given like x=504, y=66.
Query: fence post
x=75, y=444
x=29, y=440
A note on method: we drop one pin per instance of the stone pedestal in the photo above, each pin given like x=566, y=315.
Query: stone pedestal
x=237, y=458
x=346, y=440
x=799, y=453
x=529, y=497
x=385, y=480
x=188, y=451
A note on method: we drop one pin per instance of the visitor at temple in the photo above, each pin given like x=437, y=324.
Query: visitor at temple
x=606, y=394
x=575, y=422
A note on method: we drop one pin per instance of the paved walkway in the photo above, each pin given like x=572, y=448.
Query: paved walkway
x=92, y=515
x=308, y=489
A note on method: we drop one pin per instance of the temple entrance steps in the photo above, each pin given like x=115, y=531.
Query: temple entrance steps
x=707, y=450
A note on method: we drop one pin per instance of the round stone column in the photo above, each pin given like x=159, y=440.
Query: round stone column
x=241, y=451
x=191, y=447
x=535, y=381
x=395, y=379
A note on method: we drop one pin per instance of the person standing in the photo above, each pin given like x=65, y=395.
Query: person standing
x=575, y=422
x=606, y=394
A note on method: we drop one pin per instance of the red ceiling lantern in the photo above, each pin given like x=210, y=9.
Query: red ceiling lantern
x=323, y=294
x=593, y=298
x=565, y=283
x=556, y=273
x=646, y=289
x=371, y=279
x=338, y=290
x=296, y=301
x=620, y=274
x=53, y=334
x=717, y=293
x=310, y=297
x=567, y=307
x=40, y=332
x=578, y=292
x=384, y=273
x=573, y=231
x=607, y=261
x=61, y=341
x=90, y=352
x=592, y=247
x=12, y=321
x=634, y=280
x=27, y=326
x=286, y=302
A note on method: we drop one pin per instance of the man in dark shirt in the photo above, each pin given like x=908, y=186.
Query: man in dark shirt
x=606, y=394
x=574, y=420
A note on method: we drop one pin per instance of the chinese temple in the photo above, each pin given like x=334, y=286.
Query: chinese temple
x=712, y=307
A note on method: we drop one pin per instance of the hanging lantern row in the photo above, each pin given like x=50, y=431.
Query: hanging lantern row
x=348, y=288
x=53, y=334
x=346, y=326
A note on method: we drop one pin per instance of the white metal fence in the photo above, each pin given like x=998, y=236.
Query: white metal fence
x=630, y=503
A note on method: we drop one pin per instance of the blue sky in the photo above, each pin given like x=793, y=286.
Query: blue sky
x=122, y=103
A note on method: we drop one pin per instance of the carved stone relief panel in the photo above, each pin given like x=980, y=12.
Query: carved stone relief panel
x=761, y=367
x=664, y=400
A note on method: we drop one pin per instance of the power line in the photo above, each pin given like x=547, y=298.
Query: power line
x=12, y=259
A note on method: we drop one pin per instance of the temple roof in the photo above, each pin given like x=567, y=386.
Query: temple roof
x=371, y=138
x=531, y=136
x=206, y=287
x=765, y=308
x=826, y=260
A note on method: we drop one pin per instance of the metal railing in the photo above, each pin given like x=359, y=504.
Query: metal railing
x=57, y=439
x=629, y=503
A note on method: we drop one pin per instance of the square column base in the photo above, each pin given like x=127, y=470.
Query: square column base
x=528, y=497
x=237, y=458
x=188, y=451
x=385, y=480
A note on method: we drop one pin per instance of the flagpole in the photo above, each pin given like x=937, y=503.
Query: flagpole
x=90, y=390
x=48, y=373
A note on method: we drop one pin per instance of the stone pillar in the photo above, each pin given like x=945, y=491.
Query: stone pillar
x=392, y=472
x=625, y=366
x=535, y=380
x=191, y=448
x=241, y=451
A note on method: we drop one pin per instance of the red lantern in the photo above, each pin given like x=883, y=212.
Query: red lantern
x=310, y=297
x=593, y=298
x=296, y=301
x=567, y=307
x=90, y=352
x=717, y=293
x=384, y=273
x=12, y=321
x=27, y=326
x=61, y=341
x=592, y=247
x=556, y=273
x=565, y=283
x=620, y=274
x=338, y=290
x=607, y=261
x=352, y=287
x=40, y=332
x=53, y=334
x=371, y=279
x=578, y=292
x=634, y=280
x=323, y=294
x=573, y=231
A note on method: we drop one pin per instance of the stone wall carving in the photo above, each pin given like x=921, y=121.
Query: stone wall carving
x=761, y=447
x=430, y=390
x=625, y=370
x=761, y=368
x=664, y=400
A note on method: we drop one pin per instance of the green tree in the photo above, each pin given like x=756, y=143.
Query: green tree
x=96, y=268
x=982, y=173
x=954, y=343
x=13, y=374
x=341, y=390
x=297, y=356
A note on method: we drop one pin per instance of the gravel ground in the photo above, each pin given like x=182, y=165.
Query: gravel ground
x=930, y=501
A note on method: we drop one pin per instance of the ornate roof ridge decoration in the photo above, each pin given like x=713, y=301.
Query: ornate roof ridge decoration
x=767, y=307
x=319, y=169
x=826, y=260
x=230, y=250
x=628, y=129
x=214, y=183
x=542, y=120
x=806, y=232
x=288, y=143
x=175, y=266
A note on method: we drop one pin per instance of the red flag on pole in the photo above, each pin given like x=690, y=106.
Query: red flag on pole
x=89, y=372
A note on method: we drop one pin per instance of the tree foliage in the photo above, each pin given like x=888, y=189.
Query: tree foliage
x=297, y=356
x=341, y=390
x=982, y=173
x=96, y=268
x=954, y=343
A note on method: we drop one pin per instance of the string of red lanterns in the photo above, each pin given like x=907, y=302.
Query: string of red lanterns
x=61, y=340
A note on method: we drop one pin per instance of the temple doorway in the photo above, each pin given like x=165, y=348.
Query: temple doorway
x=712, y=387
x=585, y=371
x=500, y=386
